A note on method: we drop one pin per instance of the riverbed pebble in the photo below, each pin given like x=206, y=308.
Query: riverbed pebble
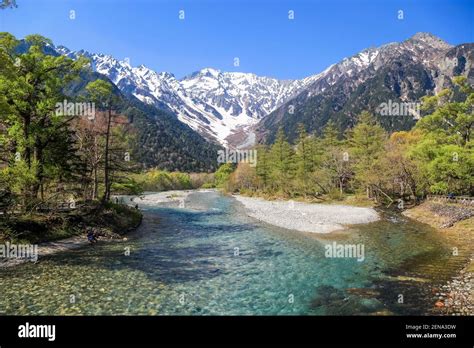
x=317, y=218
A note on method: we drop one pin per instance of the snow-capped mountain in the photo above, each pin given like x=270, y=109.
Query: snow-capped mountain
x=400, y=71
x=214, y=103
x=231, y=108
x=422, y=48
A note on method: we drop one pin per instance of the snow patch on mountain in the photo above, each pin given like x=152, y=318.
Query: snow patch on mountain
x=212, y=102
x=220, y=105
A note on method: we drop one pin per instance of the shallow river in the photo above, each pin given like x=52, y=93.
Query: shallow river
x=209, y=258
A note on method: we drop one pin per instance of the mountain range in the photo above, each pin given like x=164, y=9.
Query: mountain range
x=236, y=109
x=212, y=102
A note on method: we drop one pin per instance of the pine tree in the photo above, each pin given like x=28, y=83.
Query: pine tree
x=263, y=168
x=330, y=135
x=282, y=156
x=32, y=84
x=366, y=142
x=304, y=159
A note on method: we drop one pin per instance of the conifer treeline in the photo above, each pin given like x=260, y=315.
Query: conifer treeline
x=434, y=157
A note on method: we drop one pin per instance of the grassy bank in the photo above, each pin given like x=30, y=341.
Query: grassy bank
x=111, y=221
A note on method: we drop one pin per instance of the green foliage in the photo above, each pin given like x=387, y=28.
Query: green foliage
x=445, y=153
x=435, y=157
x=208, y=185
x=223, y=173
x=19, y=175
x=131, y=187
x=166, y=143
x=160, y=180
x=283, y=159
x=183, y=180
x=263, y=167
x=36, y=137
x=100, y=92
x=366, y=143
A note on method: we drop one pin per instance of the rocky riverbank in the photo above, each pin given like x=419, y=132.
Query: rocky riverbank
x=454, y=222
x=151, y=199
x=111, y=222
x=307, y=217
x=457, y=296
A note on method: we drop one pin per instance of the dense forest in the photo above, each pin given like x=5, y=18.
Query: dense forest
x=435, y=157
x=54, y=147
x=59, y=157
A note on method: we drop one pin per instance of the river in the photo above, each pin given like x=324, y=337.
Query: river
x=210, y=258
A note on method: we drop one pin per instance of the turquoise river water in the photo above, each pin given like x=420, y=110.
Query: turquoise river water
x=210, y=258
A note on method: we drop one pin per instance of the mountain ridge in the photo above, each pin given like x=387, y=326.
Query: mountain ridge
x=235, y=109
x=402, y=72
x=212, y=102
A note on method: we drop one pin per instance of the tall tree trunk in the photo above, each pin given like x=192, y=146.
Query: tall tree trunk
x=38, y=151
x=26, y=135
x=106, y=196
x=96, y=184
x=95, y=189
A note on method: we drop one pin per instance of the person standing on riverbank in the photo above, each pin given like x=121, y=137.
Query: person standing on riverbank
x=91, y=236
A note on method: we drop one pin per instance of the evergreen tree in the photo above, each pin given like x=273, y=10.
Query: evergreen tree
x=366, y=142
x=304, y=159
x=31, y=86
x=263, y=167
x=282, y=158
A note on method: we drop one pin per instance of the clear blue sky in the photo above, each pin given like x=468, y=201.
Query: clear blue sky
x=258, y=32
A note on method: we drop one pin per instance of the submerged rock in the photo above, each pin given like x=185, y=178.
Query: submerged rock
x=364, y=292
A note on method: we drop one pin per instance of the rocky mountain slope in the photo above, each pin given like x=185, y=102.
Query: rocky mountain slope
x=162, y=140
x=238, y=109
x=212, y=102
x=398, y=72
